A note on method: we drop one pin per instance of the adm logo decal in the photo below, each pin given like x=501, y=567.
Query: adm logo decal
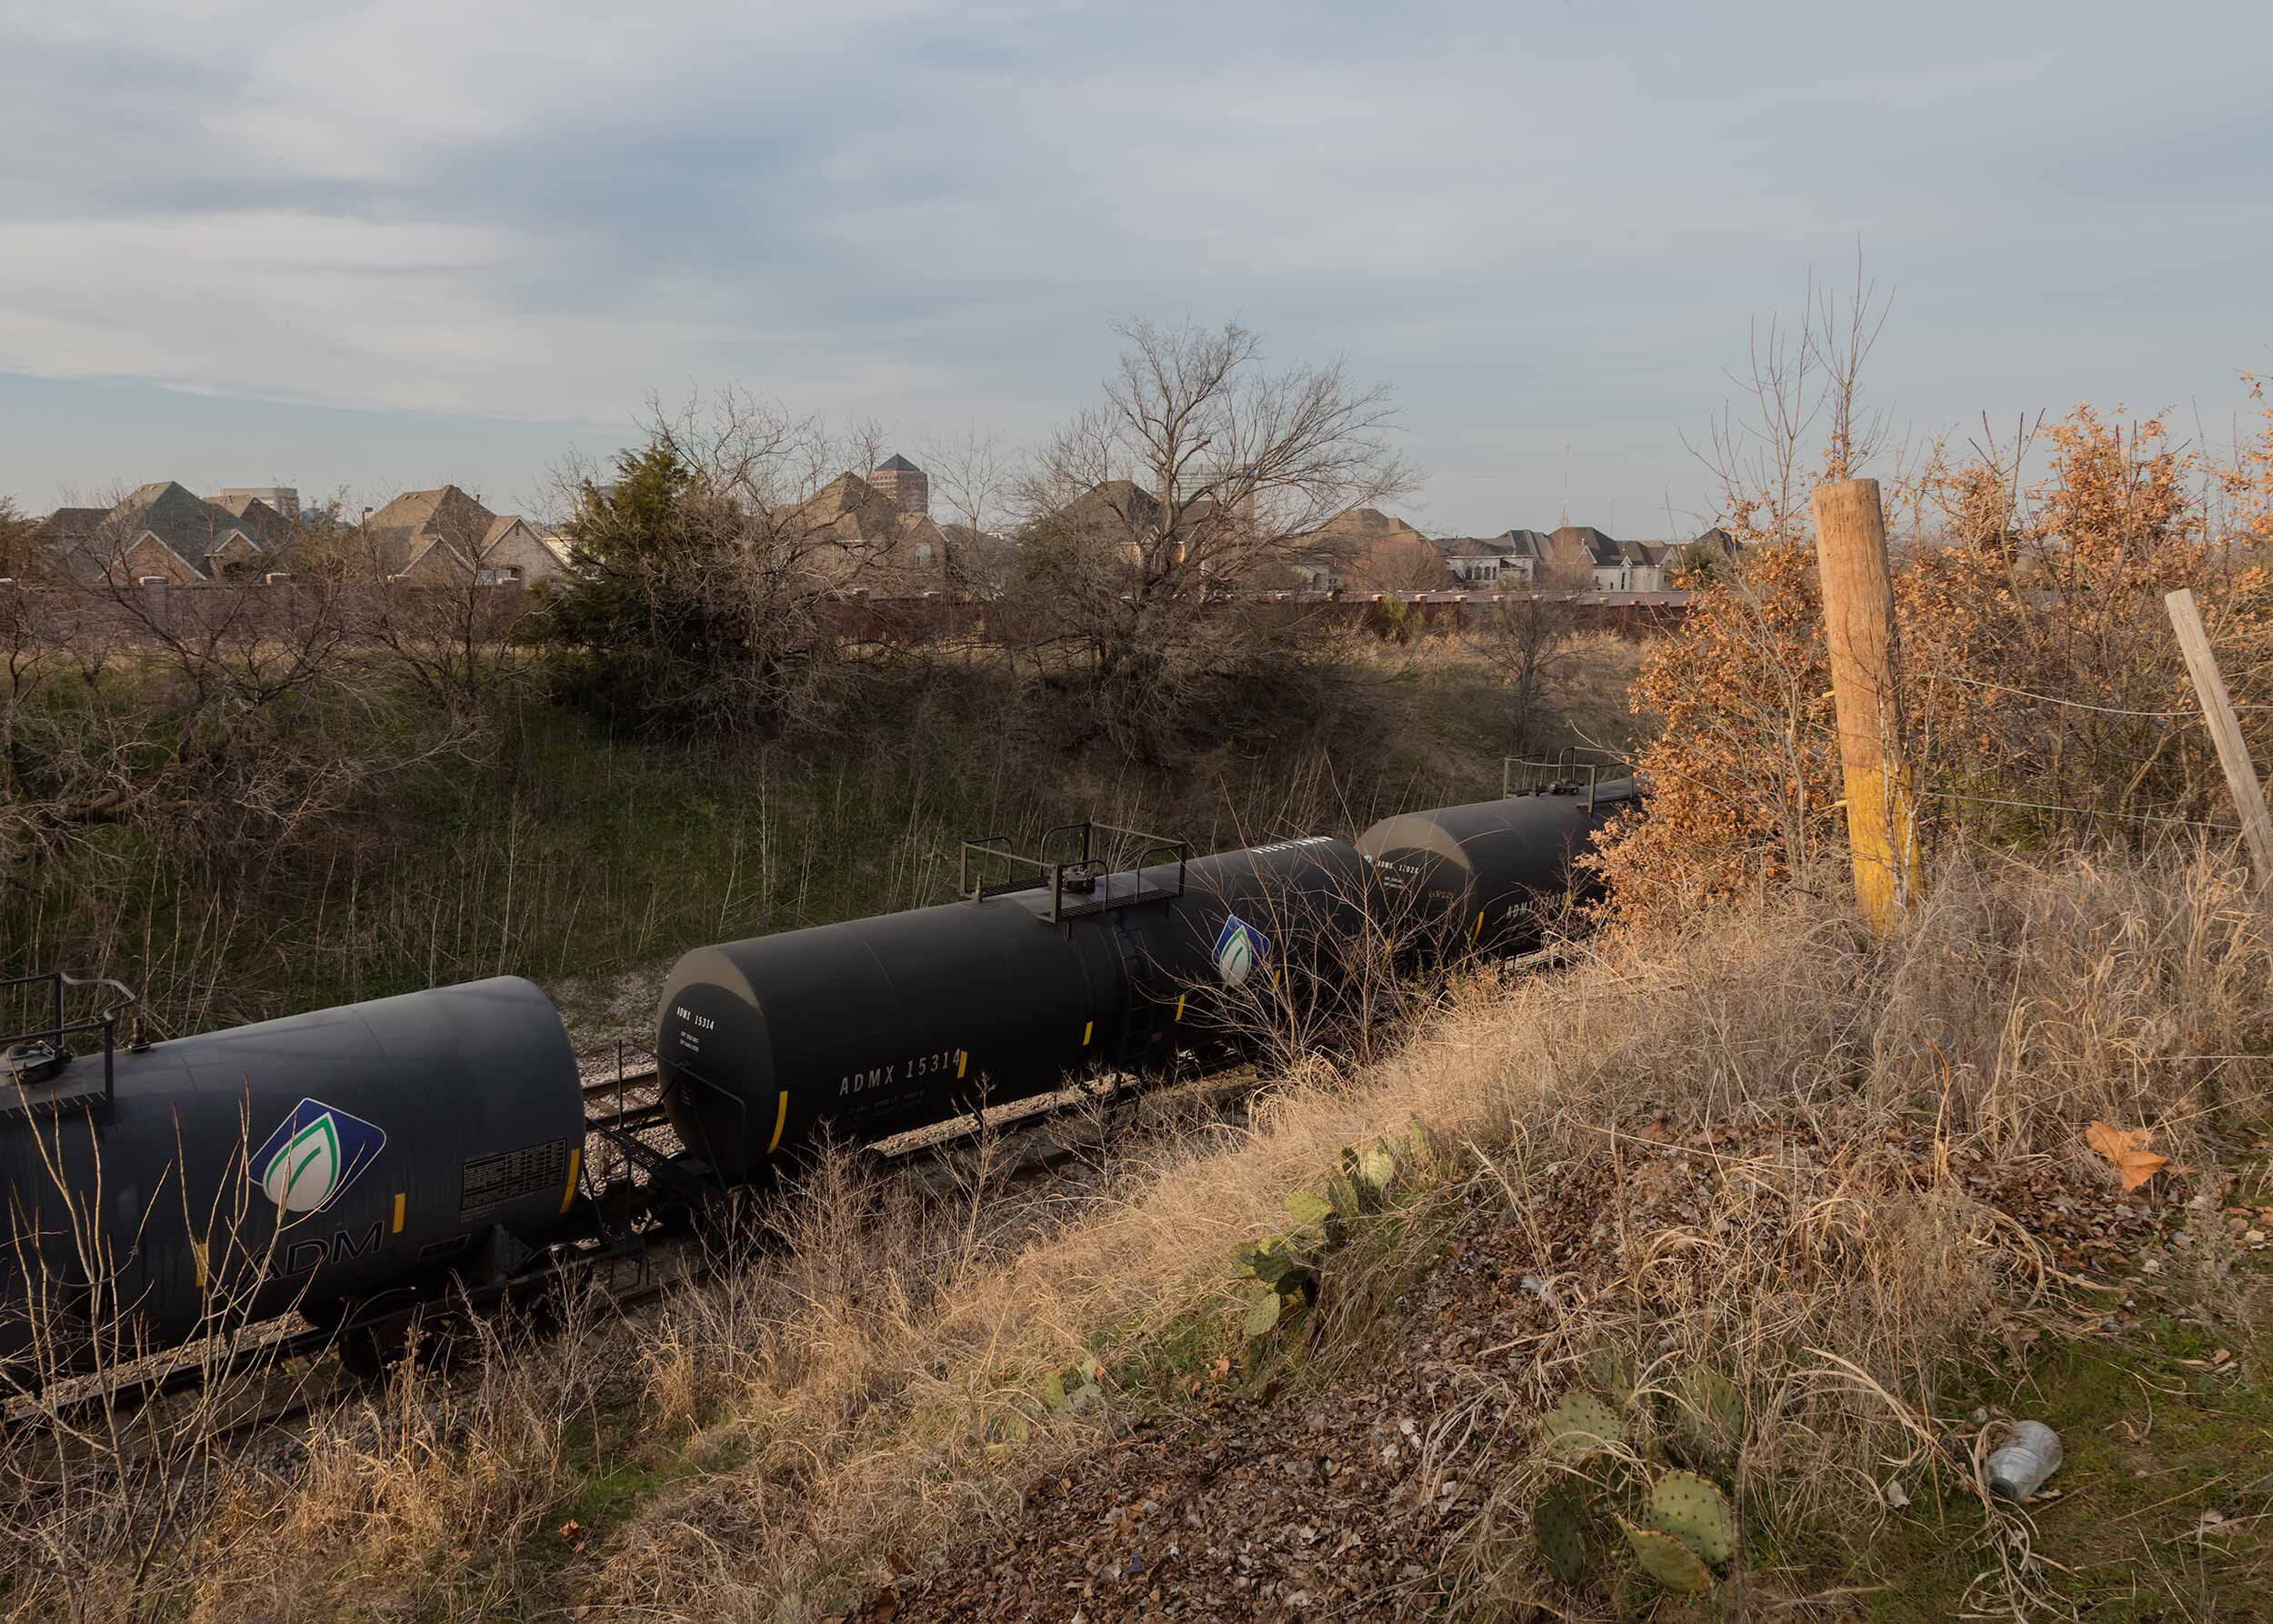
x=1239, y=949
x=316, y=1153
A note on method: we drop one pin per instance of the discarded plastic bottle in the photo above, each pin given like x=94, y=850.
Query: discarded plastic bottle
x=2030, y=1456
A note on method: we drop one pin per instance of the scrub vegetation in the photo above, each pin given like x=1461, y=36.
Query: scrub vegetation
x=530, y=839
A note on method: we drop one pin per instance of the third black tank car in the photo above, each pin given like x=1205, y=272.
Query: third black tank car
x=1482, y=871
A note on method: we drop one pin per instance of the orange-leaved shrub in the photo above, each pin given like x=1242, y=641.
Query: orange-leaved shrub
x=2045, y=696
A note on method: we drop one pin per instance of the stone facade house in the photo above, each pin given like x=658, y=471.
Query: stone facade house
x=1367, y=550
x=445, y=537
x=163, y=531
x=861, y=537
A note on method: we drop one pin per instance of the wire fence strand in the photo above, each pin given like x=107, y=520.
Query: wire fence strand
x=1983, y=801
x=2111, y=710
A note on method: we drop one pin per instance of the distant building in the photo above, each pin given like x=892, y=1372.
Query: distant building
x=903, y=484
x=161, y=530
x=1485, y=561
x=859, y=534
x=284, y=498
x=1367, y=550
x=433, y=537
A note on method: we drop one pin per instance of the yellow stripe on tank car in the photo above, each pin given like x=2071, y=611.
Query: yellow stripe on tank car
x=398, y=1214
x=1477, y=934
x=962, y=1059
x=1179, y=1006
x=1087, y=1026
x=781, y=1119
x=575, y=1160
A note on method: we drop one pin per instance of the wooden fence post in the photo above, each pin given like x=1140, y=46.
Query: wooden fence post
x=2218, y=710
x=1859, y=626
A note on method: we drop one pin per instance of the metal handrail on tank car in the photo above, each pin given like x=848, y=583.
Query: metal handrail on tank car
x=1083, y=868
x=1559, y=777
x=53, y=1035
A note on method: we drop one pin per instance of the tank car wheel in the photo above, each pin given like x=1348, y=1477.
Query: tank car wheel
x=374, y=1336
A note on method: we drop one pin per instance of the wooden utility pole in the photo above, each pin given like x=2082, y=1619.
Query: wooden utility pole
x=1859, y=625
x=2218, y=710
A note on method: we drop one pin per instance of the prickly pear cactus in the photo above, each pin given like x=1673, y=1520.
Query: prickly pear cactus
x=1694, y=1511
x=1579, y=1425
x=1558, y=1524
x=1347, y=1201
x=1263, y=1312
x=1306, y=1209
x=1666, y=1559
x=1378, y=1169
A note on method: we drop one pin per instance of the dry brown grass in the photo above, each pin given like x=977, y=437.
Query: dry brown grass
x=2019, y=1005
x=867, y=1389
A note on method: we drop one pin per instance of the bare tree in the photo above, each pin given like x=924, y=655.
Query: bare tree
x=1529, y=639
x=1798, y=383
x=1201, y=471
x=972, y=480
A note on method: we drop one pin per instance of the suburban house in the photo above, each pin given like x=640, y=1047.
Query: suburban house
x=1367, y=550
x=444, y=536
x=162, y=531
x=1489, y=560
x=1119, y=518
x=869, y=535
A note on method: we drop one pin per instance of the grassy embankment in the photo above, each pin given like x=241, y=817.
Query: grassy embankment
x=1848, y=1180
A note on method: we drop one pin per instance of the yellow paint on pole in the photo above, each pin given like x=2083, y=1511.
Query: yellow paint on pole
x=1865, y=659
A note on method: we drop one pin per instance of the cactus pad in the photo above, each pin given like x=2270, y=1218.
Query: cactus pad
x=1558, y=1524
x=1306, y=1209
x=1273, y=1262
x=1377, y=1170
x=1342, y=1190
x=1579, y=1426
x=1667, y=1560
x=1694, y=1511
x=1263, y=1313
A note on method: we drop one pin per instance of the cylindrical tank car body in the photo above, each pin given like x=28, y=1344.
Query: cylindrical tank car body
x=1477, y=873
x=877, y=1026
x=300, y=1162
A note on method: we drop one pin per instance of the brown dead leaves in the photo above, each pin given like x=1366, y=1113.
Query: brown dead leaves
x=2127, y=1148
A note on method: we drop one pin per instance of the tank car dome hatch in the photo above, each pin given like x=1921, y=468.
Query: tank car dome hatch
x=1479, y=871
x=296, y=1163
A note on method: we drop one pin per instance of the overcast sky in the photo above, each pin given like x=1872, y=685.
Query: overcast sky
x=387, y=245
